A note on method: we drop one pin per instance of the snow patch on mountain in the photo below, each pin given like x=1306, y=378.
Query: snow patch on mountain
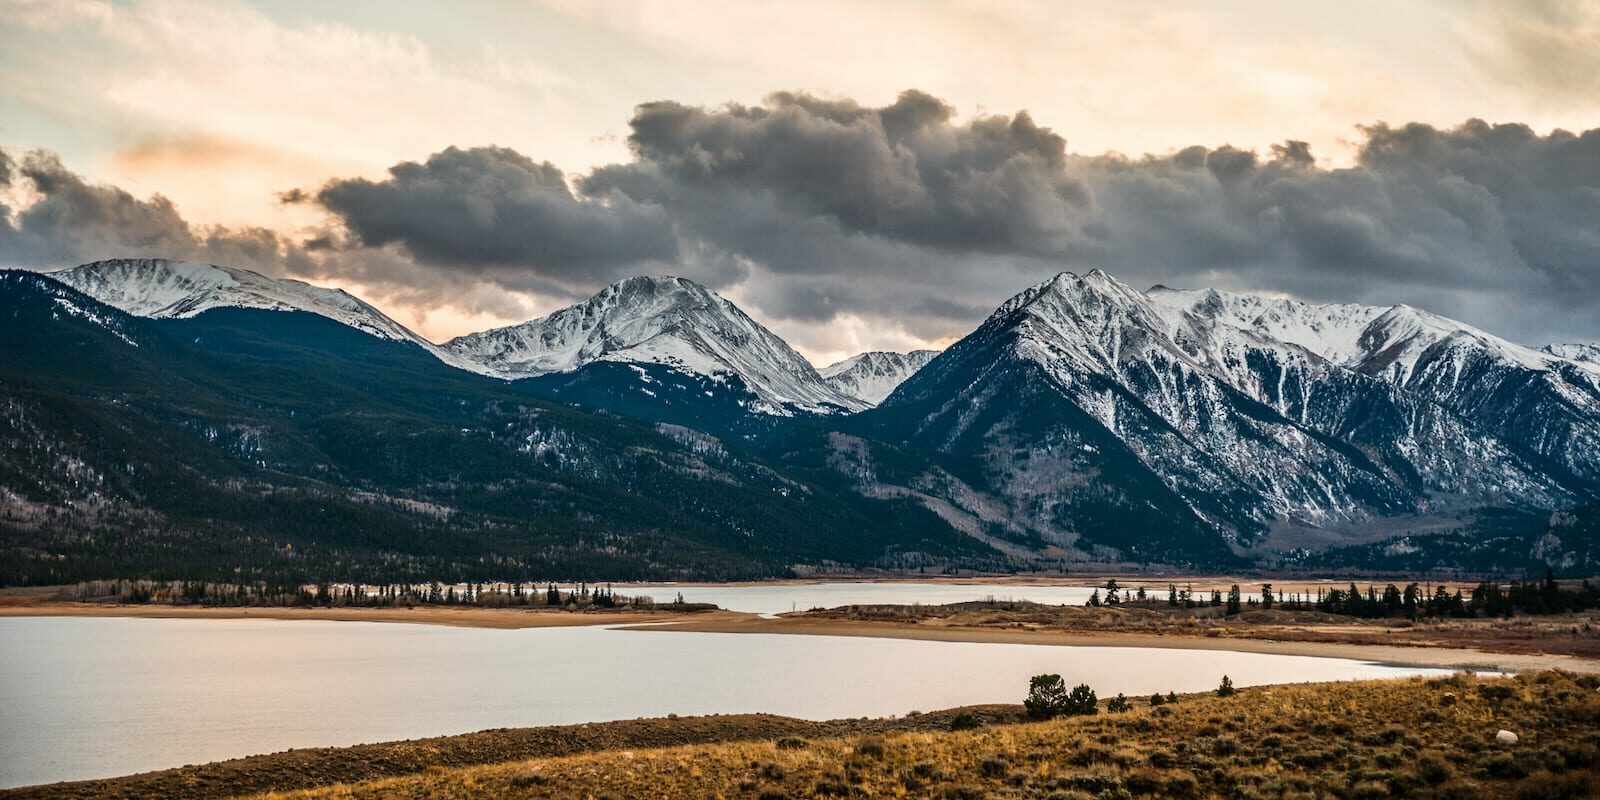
x=1587, y=353
x=658, y=320
x=1378, y=340
x=164, y=289
x=870, y=377
x=1242, y=406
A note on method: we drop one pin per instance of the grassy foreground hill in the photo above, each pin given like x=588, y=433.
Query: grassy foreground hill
x=1368, y=739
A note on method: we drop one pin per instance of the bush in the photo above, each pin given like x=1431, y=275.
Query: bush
x=792, y=743
x=1225, y=689
x=1118, y=704
x=1156, y=699
x=1047, y=695
x=1545, y=786
x=964, y=722
x=1433, y=769
x=871, y=748
x=1081, y=702
x=1048, y=698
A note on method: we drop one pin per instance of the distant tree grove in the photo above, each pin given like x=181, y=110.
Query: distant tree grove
x=1487, y=599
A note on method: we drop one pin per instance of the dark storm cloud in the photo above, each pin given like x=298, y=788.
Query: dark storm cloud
x=1481, y=221
x=486, y=209
x=73, y=221
x=904, y=172
x=905, y=214
x=1464, y=221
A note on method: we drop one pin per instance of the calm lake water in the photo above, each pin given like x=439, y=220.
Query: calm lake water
x=85, y=698
x=779, y=598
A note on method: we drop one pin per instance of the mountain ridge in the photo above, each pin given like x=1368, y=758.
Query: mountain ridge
x=871, y=376
x=1082, y=418
x=664, y=320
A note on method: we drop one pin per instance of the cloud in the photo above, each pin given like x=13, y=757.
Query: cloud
x=1480, y=221
x=906, y=214
x=1548, y=48
x=491, y=210
x=904, y=172
x=914, y=221
x=71, y=221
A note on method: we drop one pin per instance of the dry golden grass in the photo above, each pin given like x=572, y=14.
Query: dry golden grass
x=1576, y=635
x=1410, y=738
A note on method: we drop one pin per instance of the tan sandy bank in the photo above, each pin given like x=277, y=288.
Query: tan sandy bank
x=502, y=618
x=1441, y=657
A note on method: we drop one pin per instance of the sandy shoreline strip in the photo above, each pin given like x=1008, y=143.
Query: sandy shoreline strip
x=1440, y=657
x=498, y=618
x=739, y=622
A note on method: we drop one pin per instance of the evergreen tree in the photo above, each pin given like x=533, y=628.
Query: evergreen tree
x=1081, y=701
x=1047, y=696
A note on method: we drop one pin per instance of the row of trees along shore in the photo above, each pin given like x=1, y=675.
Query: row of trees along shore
x=485, y=595
x=1488, y=599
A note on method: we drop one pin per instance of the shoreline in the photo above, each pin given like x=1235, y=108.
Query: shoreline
x=738, y=622
x=459, y=617
x=1394, y=655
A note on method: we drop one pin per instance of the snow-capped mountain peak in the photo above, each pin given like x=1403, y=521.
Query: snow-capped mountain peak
x=663, y=320
x=1388, y=340
x=871, y=376
x=165, y=289
x=1586, y=353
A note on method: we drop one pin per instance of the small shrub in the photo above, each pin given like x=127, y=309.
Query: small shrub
x=1182, y=785
x=1144, y=781
x=1156, y=699
x=1460, y=790
x=1047, y=696
x=1504, y=765
x=1546, y=786
x=831, y=789
x=964, y=792
x=1081, y=702
x=964, y=722
x=793, y=743
x=1369, y=790
x=871, y=748
x=992, y=767
x=1433, y=769
x=1497, y=691
x=1118, y=704
x=1225, y=689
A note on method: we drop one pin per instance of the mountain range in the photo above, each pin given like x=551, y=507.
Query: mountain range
x=657, y=430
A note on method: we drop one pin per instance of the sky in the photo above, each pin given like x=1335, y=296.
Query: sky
x=857, y=175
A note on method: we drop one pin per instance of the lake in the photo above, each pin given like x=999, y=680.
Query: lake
x=779, y=598
x=98, y=697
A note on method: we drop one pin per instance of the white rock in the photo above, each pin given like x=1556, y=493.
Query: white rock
x=1505, y=737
